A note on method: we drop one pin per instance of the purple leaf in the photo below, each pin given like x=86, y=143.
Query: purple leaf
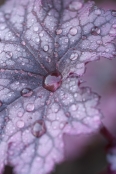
x=43, y=50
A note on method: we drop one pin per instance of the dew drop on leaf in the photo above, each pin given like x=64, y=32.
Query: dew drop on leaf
x=73, y=107
x=9, y=54
x=75, y=6
x=74, y=56
x=41, y=34
x=84, y=37
x=48, y=59
x=99, y=42
x=52, y=81
x=20, y=114
x=112, y=32
x=23, y=43
x=59, y=31
x=37, y=40
x=26, y=92
x=114, y=25
x=95, y=31
x=35, y=28
x=114, y=13
x=7, y=16
x=73, y=31
x=46, y=47
x=38, y=128
x=20, y=124
x=2, y=27
x=7, y=119
x=97, y=11
x=30, y=107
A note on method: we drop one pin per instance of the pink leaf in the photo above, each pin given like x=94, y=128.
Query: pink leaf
x=43, y=50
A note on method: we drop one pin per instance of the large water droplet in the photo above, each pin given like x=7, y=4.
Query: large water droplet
x=26, y=92
x=74, y=56
x=38, y=129
x=114, y=13
x=75, y=5
x=52, y=81
x=73, y=31
x=95, y=31
x=30, y=107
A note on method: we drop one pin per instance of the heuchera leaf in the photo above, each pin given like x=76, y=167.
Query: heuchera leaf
x=44, y=45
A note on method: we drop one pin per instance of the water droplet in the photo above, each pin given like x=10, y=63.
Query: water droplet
x=9, y=54
x=55, y=107
x=97, y=11
x=41, y=34
x=84, y=37
x=95, y=31
x=114, y=13
x=73, y=31
x=20, y=114
x=46, y=47
x=20, y=124
x=55, y=54
x=114, y=25
x=38, y=129
x=99, y=42
x=26, y=92
x=48, y=59
x=23, y=43
x=59, y=31
x=74, y=56
x=30, y=107
x=37, y=40
x=112, y=32
x=7, y=16
x=73, y=107
x=36, y=28
x=7, y=119
x=52, y=81
x=56, y=44
x=2, y=27
x=75, y=6
x=114, y=53
x=66, y=40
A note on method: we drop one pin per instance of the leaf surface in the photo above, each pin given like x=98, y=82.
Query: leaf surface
x=37, y=38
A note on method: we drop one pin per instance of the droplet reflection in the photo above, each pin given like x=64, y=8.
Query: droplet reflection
x=52, y=81
x=38, y=128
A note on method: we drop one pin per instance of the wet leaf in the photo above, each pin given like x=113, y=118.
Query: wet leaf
x=43, y=50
